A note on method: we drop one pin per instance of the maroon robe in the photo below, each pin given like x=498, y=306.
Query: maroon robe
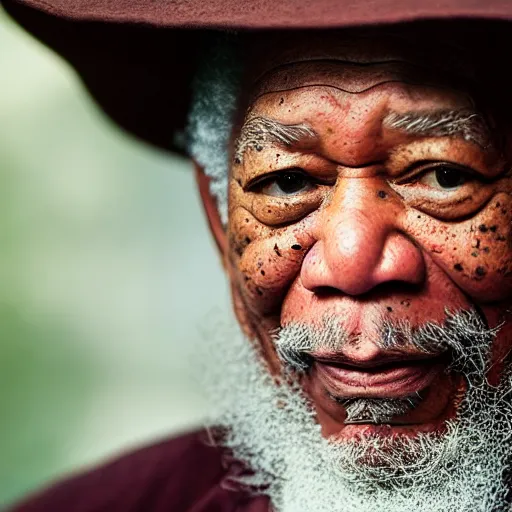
x=184, y=474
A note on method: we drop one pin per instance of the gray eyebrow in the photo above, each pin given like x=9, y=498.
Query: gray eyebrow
x=466, y=124
x=258, y=130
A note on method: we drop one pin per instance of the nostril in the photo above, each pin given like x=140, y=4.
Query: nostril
x=381, y=290
x=396, y=287
x=326, y=291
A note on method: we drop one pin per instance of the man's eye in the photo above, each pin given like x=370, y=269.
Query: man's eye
x=286, y=183
x=445, y=190
x=444, y=177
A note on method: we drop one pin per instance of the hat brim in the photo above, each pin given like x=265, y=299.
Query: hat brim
x=137, y=58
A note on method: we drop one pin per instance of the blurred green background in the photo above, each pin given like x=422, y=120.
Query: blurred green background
x=106, y=269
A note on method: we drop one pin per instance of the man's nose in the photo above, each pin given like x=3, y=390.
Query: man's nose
x=359, y=244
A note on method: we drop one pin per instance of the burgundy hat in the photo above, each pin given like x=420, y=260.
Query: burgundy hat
x=137, y=57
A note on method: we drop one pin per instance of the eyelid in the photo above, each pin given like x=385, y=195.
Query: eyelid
x=414, y=172
x=260, y=180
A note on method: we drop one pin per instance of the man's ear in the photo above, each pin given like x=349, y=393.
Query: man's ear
x=212, y=212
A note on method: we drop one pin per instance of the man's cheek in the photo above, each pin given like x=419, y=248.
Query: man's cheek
x=499, y=315
x=476, y=253
x=266, y=260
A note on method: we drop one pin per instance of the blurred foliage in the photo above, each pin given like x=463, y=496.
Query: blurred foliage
x=37, y=361
x=105, y=270
x=36, y=369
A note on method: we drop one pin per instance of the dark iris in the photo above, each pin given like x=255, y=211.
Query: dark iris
x=450, y=178
x=291, y=182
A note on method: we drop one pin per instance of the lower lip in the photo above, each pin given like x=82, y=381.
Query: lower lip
x=394, y=382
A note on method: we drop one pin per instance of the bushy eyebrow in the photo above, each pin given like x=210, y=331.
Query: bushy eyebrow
x=258, y=130
x=466, y=124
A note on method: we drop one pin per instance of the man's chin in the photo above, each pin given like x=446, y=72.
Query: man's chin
x=406, y=444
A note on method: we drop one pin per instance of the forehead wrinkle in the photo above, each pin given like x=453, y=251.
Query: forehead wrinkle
x=263, y=76
x=356, y=92
x=469, y=125
x=352, y=77
x=341, y=89
x=258, y=130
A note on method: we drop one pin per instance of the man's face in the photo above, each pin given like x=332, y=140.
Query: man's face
x=369, y=191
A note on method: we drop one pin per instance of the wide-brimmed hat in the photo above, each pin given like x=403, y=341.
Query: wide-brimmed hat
x=137, y=57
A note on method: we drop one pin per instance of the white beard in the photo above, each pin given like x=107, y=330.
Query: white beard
x=273, y=430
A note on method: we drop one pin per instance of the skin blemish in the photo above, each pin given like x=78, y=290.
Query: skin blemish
x=482, y=228
x=381, y=194
x=406, y=303
x=389, y=308
x=476, y=243
x=258, y=291
x=237, y=160
x=296, y=247
x=493, y=228
x=474, y=254
x=458, y=267
x=276, y=250
x=237, y=247
x=480, y=271
x=262, y=272
x=281, y=101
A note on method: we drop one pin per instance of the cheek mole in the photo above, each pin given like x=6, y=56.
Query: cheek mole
x=480, y=271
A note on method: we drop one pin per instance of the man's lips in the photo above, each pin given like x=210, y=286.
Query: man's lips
x=393, y=379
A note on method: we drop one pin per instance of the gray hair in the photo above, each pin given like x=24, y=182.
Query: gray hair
x=210, y=122
x=463, y=332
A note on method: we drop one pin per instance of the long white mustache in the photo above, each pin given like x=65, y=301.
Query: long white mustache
x=464, y=333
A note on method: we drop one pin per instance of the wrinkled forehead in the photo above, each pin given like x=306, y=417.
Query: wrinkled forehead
x=355, y=61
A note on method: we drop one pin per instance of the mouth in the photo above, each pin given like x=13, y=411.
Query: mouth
x=379, y=379
x=388, y=395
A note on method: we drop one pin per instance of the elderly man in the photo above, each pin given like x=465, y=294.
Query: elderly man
x=358, y=184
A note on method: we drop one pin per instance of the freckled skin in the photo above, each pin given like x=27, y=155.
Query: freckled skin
x=366, y=243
